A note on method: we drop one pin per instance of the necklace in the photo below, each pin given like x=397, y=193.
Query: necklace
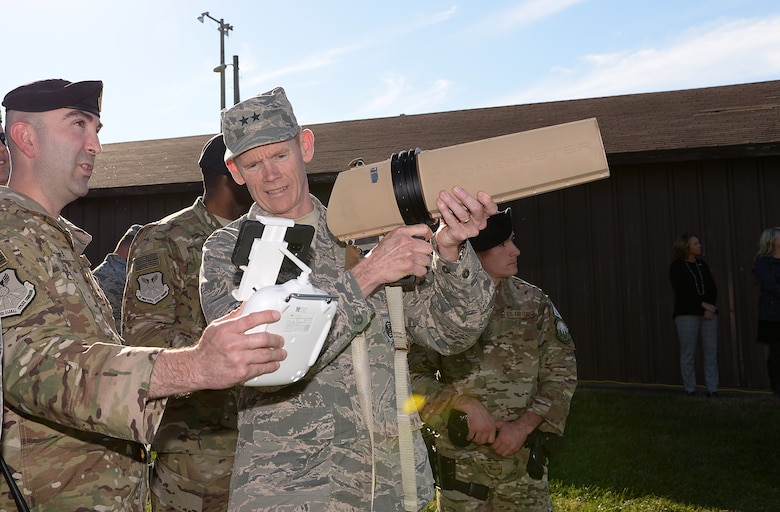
x=700, y=290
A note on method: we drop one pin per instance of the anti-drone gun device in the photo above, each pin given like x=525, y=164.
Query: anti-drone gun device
x=373, y=199
x=307, y=312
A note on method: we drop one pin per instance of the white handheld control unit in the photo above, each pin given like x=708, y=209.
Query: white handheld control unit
x=307, y=312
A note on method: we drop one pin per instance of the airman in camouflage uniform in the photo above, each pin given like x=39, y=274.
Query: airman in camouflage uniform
x=1, y=375
x=520, y=374
x=307, y=446
x=57, y=329
x=78, y=406
x=197, y=437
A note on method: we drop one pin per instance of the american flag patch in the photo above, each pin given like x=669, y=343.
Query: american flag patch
x=146, y=262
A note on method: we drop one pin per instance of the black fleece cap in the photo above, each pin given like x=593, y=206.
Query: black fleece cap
x=212, y=157
x=498, y=230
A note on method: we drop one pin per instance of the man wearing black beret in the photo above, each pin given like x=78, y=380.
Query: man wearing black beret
x=192, y=470
x=78, y=404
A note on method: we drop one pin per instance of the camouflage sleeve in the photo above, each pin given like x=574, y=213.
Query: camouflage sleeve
x=448, y=311
x=438, y=396
x=353, y=315
x=113, y=285
x=156, y=287
x=557, y=368
x=1, y=372
x=59, y=365
x=218, y=275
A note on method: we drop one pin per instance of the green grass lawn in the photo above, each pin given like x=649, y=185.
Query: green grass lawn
x=638, y=450
x=651, y=451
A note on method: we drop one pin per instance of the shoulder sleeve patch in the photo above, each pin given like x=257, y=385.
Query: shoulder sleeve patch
x=151, y=288
x=562, y=331
x=3, y=259
x=15, y=296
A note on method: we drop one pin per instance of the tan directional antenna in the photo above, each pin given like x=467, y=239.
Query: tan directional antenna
x=373, y=199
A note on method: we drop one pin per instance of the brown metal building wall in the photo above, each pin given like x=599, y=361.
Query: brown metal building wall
x=602, y=252
x=107, y=214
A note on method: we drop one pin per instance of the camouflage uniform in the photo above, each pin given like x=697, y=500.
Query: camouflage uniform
x=75, y=410
x=524, y=361
x=306, y=446
x=197, y=438
x=110, y=275
x=1, y=374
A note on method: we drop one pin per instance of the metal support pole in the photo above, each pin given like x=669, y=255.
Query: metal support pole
x=222, y=31
x=236, y=95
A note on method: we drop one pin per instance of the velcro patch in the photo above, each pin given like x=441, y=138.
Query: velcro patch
x=147, y=262
x=151, y=288
x=562, y=331
x=517, y=313
x=15, y=296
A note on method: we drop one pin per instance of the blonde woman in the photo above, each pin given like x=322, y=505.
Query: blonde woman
x=767, y=268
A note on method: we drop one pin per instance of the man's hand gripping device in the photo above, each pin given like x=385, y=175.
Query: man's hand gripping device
x=307, y=311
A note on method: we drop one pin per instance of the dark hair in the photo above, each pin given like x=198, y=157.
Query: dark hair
x=680, y=247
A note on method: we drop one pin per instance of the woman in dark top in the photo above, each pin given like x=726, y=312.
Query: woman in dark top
x=767, y=268
x=695, y=313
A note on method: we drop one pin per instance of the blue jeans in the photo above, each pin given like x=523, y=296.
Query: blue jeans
x=689, y=327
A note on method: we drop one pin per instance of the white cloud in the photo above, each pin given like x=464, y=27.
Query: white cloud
x=381, y=104
x=314, y=61
x=399, y=96
x=526, y=13
x=442, y=16
x=725, y=52
x=323, y=58
x=429, y=99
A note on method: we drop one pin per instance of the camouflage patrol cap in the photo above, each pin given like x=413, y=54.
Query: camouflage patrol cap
x=56, y=93
x=212, y=157
x=498, y=230
x=257, y=121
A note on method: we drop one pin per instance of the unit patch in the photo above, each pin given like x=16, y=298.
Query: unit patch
x=14, y=295
x=151, y=288
x=561, y=329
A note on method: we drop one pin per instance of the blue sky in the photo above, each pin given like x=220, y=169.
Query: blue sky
x=344, y=60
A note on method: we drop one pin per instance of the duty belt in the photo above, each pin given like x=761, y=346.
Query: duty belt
x=450, y=483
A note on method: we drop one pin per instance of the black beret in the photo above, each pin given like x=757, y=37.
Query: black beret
x=212, y=158
x=498, y=230
x=55, y=93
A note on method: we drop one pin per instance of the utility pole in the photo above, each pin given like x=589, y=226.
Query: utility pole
x=224, y=28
